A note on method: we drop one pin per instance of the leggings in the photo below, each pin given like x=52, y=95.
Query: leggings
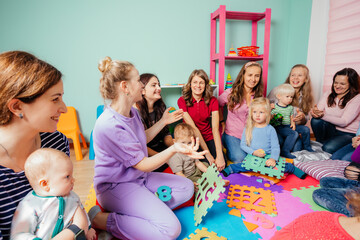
x=137, y=213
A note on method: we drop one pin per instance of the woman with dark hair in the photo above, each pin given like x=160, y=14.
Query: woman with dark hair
x=31, y=103
x=336, y=118
x=200, y=107
x=151, y=109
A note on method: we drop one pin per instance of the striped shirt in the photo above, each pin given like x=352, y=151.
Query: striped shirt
x=286, y=112
x=14, y=186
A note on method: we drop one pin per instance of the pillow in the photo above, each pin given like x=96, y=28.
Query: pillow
x=323, y=168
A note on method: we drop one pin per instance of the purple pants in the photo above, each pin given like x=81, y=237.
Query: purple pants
x=137, y=213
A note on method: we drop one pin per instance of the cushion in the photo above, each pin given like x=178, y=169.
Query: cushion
x=323, y=168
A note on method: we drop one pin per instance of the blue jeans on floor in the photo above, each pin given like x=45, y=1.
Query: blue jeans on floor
x=237, y=168
x=289, y=136
x=344, y=153
x=305, y=136
x=233, y=149
x=331, y=195
x=327, y=134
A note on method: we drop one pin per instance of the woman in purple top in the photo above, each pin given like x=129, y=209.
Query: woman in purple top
x=123, y=181
x=247, y=86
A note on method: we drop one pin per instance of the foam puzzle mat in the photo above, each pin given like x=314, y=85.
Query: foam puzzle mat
x=292, y=198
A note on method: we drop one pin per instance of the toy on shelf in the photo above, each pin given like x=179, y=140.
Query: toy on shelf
x=257, y=164
x=229, y=82
x=204, y=234
x=251, y=198
x=211, y=82
x=210, y=186
x=232, y=52
x=248, y=51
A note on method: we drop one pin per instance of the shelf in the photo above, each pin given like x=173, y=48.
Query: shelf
x=217, y=56
x=180, y=86
x=258, y=58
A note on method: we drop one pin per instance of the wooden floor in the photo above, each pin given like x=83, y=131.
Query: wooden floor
x=83, y=173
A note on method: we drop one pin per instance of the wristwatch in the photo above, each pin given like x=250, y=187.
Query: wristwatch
x=79, y=233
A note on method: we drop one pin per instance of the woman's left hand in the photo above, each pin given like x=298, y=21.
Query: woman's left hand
x=220, y=163
x=172, y=117
x=190, y=150
x=300, y=117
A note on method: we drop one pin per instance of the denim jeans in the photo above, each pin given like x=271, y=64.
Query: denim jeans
x=305, y=136
x=344, y=153
x=237, y=168
x=289, y=136
x=331, y=138
x=331, y=195
x=233, y=149
x=298, y=146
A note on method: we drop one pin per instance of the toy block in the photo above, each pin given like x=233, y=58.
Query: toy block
x=257, y=164
x=251, y=198
x=235, y=212
x=250, y=226
x=210, y=186
x=204, y=234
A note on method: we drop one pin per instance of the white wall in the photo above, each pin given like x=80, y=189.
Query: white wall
x=317, y=44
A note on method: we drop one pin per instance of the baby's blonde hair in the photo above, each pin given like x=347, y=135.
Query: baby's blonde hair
x=256, y=102
x=183, y=130
x=39, y=162
x=284, y=89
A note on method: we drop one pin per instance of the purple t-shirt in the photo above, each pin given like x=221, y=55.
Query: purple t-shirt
x=119, y=144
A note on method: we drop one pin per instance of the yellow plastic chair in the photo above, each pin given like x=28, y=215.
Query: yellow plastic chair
x=69, y=126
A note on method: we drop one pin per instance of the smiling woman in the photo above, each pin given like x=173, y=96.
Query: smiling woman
x=31, y=102
x=200, y=107
x=336, y=117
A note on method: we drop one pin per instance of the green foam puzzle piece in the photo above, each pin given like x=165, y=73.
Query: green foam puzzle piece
x=305, y=194
x=257, y=164
x=210, y=186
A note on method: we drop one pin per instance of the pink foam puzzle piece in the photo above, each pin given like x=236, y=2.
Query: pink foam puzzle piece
x=288, y=208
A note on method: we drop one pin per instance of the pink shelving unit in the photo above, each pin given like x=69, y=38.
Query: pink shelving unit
x=221, y=15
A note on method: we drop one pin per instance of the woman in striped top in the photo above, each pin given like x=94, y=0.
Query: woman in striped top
x=31, y=103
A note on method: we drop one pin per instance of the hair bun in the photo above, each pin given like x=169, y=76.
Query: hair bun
x=105, y=64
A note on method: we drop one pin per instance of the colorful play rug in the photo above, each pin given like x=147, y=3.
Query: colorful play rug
x=251, y=208
x=269, y=207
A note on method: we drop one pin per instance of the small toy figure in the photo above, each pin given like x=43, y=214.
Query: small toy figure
x=228, y=82
x=232, y=52
x=276, y=120
x=172, y=109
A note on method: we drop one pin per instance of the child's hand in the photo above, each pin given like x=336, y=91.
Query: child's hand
x=272, y=105
x=293, y=126
x=91, y=234
x=259, y=153
x=191, y=150
x=355, y=141
x=196, y=186
x=270, y=162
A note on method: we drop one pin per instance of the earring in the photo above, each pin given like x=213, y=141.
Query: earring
x=21, y=116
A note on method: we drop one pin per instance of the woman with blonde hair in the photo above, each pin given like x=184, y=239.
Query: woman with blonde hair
x=299, y=79
x=124, y=182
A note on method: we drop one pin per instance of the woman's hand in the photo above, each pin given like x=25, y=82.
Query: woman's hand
x=172, y=117
x=222, y=127
x=190, y=150
x=316, y=113
x=270, y=162
x=300, y=117
x=356, y=141
x=220, y=162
